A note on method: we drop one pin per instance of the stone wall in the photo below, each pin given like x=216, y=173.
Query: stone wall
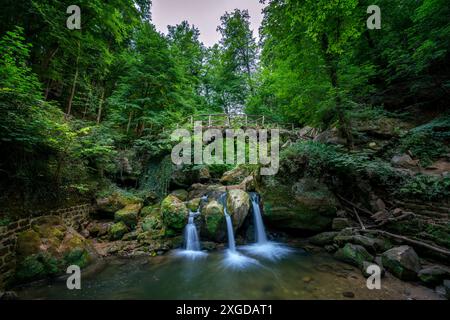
x=74, y=217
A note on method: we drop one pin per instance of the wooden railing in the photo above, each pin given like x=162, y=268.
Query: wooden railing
x=238, y=120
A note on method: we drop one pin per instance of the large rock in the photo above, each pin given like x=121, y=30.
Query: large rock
x=434, y=275
x=128, y=215
x=117, y=200
x=340, y=223
x=49, y=249
x=331, y=136
x=404, y=161
x=305, y=206
x=118, y=230
x=180, y=194
x=373, y=245
x=174, y=213
x=324, y=238
x=235, y=176
x=238, y=206
x=198, y=190
x=353, y=254
x=194, y=204
x=214, y=221
x=402, y=262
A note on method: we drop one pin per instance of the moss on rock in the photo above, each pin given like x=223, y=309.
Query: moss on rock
x=174, y=213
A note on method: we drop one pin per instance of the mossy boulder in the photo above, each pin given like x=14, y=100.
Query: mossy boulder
x=214, y=221
x=324, y=238
x=180, y=194
x=434, y=275
x=128, y=215
x=47, y=250
x=307, y=205
x=117, y=231
x=353, y=254
x=238, y=206
x=150, y=210
x=28, y=243
x=402, y=262
x=37, y=266
x=151, y=223
x=373, y=245
x=110, y=204
x=174, y=213
x=194, y=204
x=235, y=176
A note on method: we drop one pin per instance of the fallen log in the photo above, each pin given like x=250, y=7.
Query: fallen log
x=437, y=249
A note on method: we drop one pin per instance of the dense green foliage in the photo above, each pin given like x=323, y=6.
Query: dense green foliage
x=83, y=107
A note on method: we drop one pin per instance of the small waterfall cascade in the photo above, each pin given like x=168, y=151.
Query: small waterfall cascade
x=230, y=231
x=260, y=230
x=191, y=239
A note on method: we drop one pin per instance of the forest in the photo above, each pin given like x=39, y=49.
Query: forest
x=87, y=115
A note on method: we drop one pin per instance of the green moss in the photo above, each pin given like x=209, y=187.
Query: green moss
x=78, y=256
x=174, y=213
x=37, y=266
x=117, y=231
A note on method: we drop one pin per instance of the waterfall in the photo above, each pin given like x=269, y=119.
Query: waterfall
x=231, y=242
x=263, y=248
x=230, y=231
x=191, y=239
x=260, y=230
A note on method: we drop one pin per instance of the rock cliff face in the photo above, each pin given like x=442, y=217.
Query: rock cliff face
x=306, y=205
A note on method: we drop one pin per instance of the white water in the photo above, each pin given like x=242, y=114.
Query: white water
x=191, y=239
x=263, y=247
x=231, y=242
x=260, y=230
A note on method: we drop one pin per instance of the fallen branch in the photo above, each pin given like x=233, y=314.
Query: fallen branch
x=355, y=206
x=411, y=241
x=359, y=219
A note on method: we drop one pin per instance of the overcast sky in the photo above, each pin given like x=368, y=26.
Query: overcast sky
x=204, y=14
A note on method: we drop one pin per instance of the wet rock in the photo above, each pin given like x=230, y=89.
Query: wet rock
x=353, y=254
x=307, y=279
x=214, y=221
x=117, y=231
x=323, y=238
x=174, y=213
x=238, y=206
x=308, y=205
x=180, y=194
x=404, y=161
x=402, y=262
x=340, y=223
x=128, y=215
x=434, y=275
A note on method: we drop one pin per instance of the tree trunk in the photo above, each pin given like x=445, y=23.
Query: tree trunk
x=129, y=121
x=99, y=114
x=74, y=84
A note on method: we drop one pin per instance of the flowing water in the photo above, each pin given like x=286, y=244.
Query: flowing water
x=191, y=239
x=298, y=276
x=263, y=247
